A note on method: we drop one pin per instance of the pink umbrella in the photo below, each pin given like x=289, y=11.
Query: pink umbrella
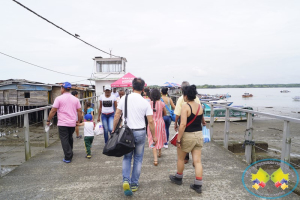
x=125, y=81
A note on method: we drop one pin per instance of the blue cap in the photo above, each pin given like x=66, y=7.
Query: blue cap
x=88, y=117
x=67, y=85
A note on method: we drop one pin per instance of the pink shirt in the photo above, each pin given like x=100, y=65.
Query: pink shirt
x=67, y=106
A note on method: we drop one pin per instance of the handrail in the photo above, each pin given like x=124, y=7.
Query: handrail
x=34, y=110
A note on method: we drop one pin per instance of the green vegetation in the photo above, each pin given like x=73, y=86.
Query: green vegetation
x=251, y=86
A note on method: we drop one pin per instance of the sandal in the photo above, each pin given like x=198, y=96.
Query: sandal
x=159, y=154
x=155, y=163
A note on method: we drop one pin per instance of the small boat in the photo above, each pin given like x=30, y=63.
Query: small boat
x=222, y=102
x=245, y=95
x=219, y=113
x=296, y=98
x=284, y=91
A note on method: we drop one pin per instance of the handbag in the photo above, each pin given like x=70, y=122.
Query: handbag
x=172, y=115
x=122, y=140
x=174, y=139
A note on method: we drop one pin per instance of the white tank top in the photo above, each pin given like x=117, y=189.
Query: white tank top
x=88, y=128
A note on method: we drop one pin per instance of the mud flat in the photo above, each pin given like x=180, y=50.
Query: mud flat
x=12, y=149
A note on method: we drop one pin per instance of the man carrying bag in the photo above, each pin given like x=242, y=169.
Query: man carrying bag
x=137, y=109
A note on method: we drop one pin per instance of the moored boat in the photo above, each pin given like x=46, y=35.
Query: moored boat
x=219, y=113
x=296, y=98
x=245, y=95
x=284, y=91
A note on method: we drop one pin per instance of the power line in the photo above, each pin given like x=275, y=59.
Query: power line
x=43, y=67
x=75, y=36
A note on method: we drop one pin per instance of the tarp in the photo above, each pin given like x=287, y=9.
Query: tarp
x=125, y=81
x=169, y=84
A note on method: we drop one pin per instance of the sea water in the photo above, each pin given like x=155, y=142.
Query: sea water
x=269, y=100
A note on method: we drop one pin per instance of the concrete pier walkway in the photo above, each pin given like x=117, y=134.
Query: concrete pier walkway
x=45, y=176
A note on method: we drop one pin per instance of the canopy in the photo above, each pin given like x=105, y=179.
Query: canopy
x=125, y=81
x=169, y=84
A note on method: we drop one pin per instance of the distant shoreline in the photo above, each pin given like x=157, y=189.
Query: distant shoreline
x=206, y=86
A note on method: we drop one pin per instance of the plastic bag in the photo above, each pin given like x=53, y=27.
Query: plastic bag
x=47, y=128
x=99, y=129
x=206, y=134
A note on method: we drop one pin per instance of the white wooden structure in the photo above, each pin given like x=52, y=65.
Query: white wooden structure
x=107, y=71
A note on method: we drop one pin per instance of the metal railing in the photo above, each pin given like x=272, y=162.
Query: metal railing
x=286, y=138
x=25, y=113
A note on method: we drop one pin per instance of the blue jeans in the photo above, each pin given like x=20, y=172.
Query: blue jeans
x=137, y=154
x=107, y=122
x=168, y=121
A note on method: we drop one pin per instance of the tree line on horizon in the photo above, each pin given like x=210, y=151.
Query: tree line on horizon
x=241, y=86
x=250, y=86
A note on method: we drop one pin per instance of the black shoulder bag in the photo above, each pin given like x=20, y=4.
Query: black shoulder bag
x=121, y=141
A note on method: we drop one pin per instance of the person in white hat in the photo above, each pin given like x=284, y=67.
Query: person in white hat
x=108, y=103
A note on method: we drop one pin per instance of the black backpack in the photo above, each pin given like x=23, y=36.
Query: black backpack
x=121, y=141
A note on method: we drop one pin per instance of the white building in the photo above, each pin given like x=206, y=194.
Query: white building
x=107, y=71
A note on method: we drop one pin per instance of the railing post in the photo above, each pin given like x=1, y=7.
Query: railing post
x=226, y=130
x=27, y=138
x=97, y=105
x=82, y=104
x=249, y=136
x=212, y=120
x=286, y=146
x=45, y=123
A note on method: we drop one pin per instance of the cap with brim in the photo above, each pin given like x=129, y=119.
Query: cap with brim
x=88, y=117
x=107, y=87
x=67, y=85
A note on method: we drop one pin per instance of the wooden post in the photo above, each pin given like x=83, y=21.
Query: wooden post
x=226, y=130
x=46, y=133
x=286, y=146
x=212, y=120
x=27, y=138
x=249, y=136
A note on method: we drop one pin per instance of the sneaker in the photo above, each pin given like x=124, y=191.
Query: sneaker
x=66, y=161
x=197, y=188
x=134, y=188
x=126, y=188
x=88, y=156
x=175, y=180
x=79, y=137
x=166, y=146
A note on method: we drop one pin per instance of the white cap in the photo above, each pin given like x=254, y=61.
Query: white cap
x=107, y=87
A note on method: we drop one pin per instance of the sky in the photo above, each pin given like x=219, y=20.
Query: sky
x=202, y=41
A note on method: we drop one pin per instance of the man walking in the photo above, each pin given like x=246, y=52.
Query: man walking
x=114, y=92
x=67, y=107
x=75, y=94
x=137, y=109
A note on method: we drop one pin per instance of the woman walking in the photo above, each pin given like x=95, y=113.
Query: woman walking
x=160, y=132
x=106, y=110
x=169, y=103
x=190, y=138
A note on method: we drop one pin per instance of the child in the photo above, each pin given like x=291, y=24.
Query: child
x=89, y=128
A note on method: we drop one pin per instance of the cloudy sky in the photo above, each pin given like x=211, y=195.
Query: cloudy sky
x=205, y=42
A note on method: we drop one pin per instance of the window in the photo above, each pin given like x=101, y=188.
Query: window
x=27, y=95
x=109, y=66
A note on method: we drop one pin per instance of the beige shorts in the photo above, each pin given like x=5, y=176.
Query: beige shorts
x=191, y=141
